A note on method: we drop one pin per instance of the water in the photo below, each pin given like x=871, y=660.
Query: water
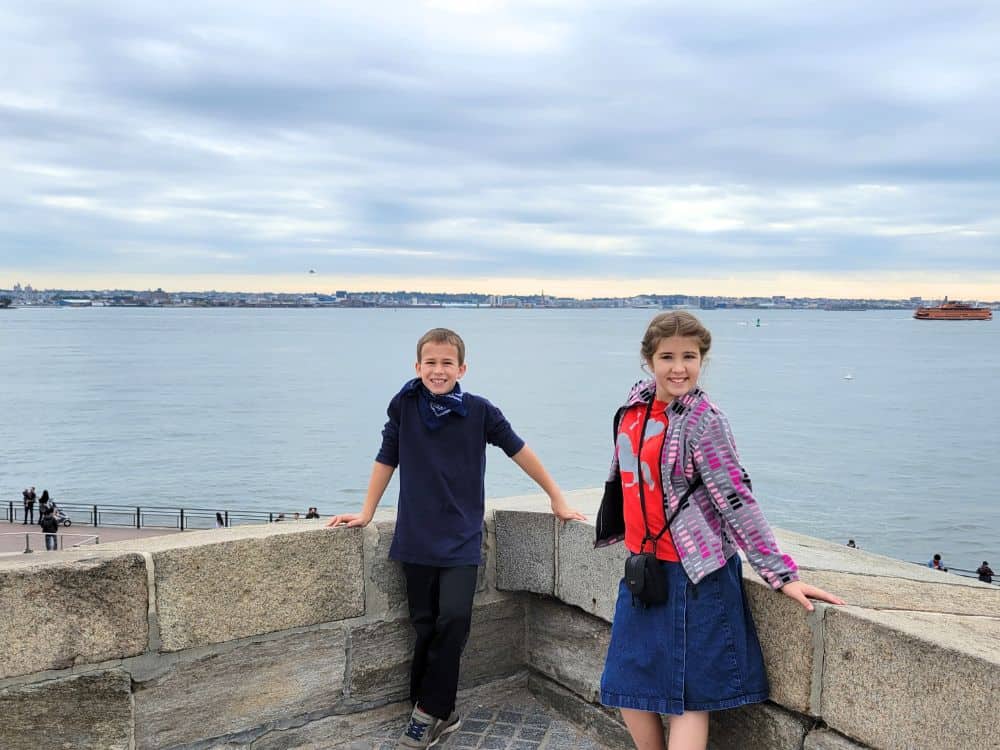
x=282, y=409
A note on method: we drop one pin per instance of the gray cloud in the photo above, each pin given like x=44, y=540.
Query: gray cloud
x=521, y=138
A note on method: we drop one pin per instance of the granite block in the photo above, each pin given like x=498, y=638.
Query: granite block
x=227, y=584
x=240, y=688
x=525, y=551
x=588, y=578
x=71, y=609
x=824, y=739
x=761, y=725
x=901, y=680
x=567, y=645
x=86, y=712
x=791, y=641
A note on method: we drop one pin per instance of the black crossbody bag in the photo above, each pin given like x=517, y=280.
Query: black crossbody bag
x=645, y=576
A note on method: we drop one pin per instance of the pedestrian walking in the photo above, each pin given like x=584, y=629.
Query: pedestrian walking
x=50, y=526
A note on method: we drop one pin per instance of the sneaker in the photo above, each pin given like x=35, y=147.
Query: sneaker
x=444, y=727
x=424, y=730
x=418, y=730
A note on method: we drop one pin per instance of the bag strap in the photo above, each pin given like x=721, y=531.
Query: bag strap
x=642, y=494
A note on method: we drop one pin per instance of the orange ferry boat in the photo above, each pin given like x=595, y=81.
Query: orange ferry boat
x=953, y=311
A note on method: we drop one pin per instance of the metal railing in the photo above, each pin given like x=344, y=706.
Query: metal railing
x=60, y=539
x=151, y=516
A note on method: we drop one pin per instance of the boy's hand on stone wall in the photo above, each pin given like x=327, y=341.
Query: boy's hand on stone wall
x=562, y=511
x=349, y=520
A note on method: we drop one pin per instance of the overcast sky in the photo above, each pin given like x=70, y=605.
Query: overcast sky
x=587, y=147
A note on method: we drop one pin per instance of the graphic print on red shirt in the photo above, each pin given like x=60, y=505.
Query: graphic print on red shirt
x=629, y=460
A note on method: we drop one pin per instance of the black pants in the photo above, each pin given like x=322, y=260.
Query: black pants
x=29, y=513
x=440, y=602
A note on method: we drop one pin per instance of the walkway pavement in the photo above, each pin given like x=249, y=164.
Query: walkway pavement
x=514, y=722
x=12, y=535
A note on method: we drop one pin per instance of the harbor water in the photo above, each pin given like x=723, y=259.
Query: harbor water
x=863, y=425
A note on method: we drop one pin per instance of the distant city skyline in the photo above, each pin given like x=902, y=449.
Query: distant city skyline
x=504, y=146
x=881, y=286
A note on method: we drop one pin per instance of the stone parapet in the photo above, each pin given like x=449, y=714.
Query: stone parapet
x=912, y=662
x=294, y=633
x=225, y=584
x=246, y=633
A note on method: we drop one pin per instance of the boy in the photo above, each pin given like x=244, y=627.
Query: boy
x=437, y=435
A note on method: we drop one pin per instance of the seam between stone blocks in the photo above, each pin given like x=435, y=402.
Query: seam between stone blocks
x=556, y=573
x=905, y=610
x=153, y=642
x=370, y=541
x=818, y=617
x=132, y=717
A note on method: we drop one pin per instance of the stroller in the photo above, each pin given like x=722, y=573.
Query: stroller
x=60, y=515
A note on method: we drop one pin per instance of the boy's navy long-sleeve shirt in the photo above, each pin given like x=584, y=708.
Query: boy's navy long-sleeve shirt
x=442, y=473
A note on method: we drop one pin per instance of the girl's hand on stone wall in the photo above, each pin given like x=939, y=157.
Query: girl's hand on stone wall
x=803, y=592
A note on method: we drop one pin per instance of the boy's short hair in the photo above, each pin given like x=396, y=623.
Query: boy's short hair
x=442, y=336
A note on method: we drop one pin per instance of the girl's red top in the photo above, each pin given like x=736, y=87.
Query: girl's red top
x=629, y=461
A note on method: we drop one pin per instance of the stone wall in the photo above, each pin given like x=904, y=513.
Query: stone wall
x=294, y=636
x=913, y=660
x=223, y=638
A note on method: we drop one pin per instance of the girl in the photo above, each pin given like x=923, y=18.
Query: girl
x=677, y=490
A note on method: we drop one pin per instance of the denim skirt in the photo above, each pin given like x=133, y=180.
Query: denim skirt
x=697, y=652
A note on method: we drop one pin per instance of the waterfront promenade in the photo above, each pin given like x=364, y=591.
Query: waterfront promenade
x=12, y=536
x=105, y=523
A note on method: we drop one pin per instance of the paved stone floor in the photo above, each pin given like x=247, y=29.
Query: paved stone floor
x=515, y=722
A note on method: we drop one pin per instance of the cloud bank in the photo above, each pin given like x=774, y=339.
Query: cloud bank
x=473, y=139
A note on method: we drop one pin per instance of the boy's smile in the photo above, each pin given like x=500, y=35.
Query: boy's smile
x=439, y=368
x=676, y=365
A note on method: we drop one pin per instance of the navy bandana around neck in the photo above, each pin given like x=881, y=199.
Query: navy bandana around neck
x=434, y=409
